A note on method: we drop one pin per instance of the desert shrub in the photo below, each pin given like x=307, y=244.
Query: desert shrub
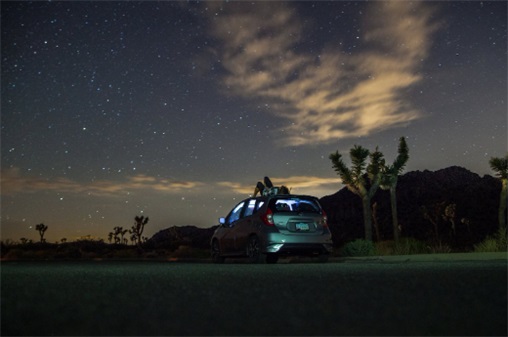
x=487, y=245
x=30, y=252
x=184, y=251
x=385, y=247
x=12, y=254
x=131, y=253
x=359, y=247
x=68, y=252
x=493, y=243
x=410, y=246
x=4, y=249
x=90, y=245
x=150, y=255
x=440, y=248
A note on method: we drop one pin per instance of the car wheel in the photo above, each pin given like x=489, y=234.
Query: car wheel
x=252, y=249
x=272, y=258
x=216, y=257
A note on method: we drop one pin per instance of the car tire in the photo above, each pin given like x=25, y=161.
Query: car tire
x=216, y=255
x=253, y=250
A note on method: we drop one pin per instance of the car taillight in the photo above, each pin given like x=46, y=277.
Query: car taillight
x=324, y=221
x=268, y=218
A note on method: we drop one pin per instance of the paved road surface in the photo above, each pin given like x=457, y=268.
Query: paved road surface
x=352, y=298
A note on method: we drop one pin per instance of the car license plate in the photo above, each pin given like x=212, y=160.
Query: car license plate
x=302, y=226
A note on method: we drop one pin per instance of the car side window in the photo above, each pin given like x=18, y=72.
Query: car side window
x=235, y=213
x=251, y=206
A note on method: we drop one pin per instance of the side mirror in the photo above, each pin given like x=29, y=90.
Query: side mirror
x=222, y=221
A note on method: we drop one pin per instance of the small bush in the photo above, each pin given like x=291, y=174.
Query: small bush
x=68, y=252
x=359, y=247
x=128, y=253
x=440, y=248
x=385, y=247
x=487, y=245
x=190, y=252
x=410, y=246
x=13, y=254
x=493, y=243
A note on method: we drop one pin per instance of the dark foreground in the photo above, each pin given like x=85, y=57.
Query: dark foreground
x=155, y=298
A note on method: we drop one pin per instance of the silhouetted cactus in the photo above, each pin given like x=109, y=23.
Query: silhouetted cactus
x=361, y=179
x=389, y=182
x=137, y=229
x=500, y=166
x=42, y=229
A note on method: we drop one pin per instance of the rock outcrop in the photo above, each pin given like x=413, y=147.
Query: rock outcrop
x=174, y=237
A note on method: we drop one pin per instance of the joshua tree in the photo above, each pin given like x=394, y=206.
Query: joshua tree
x=118, y=233
x=449, y=216
x=41, y=228
x=122, y=234
x=137, y=229
x=389, y=182
x=437, y=213
x=362, y=179
x=500, y=166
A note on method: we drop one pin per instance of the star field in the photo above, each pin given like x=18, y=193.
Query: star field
x=175, y=110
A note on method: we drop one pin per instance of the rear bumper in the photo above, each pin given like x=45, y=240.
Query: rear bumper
x=298, y=244
x=299, y=249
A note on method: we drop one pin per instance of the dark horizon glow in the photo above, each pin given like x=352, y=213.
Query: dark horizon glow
x=174, y=110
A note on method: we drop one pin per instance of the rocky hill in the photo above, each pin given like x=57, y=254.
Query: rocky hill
x=174, y=237
x=452, y=206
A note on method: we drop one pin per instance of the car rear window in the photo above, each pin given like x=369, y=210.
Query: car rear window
x=295, y=204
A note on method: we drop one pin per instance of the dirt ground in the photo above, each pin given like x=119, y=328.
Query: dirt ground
x=355, y=297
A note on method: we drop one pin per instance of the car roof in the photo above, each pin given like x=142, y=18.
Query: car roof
x=265, y=197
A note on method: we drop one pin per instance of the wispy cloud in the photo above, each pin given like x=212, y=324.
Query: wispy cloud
x=13, y=182
x=335, y=95
x=310, y=185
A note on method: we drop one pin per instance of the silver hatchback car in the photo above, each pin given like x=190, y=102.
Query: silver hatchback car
x=267, y=227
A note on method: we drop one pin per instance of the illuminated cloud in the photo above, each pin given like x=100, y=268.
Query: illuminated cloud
x=310, y=185
x=335, y=95
x=14, y=182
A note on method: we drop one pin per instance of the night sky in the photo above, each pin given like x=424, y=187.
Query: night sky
x=174, y=110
